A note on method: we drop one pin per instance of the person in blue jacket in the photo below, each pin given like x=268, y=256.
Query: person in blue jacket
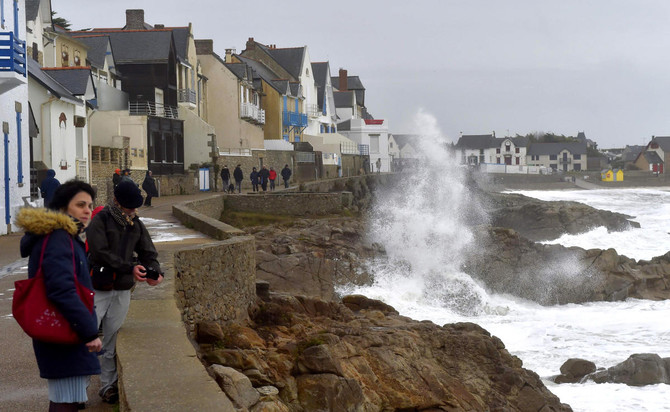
x=48, y=186
x=66, y=367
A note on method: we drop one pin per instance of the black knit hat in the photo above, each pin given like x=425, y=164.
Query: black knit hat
x=128, y=194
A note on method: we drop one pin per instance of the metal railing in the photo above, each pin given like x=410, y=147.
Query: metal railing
x=12, y=53
x=294, y=119
x=349, y=148
x=313, y=110
x=364, y=149
x=186, y=96
x=152, y=109
x=305, y=157
x=252, y=112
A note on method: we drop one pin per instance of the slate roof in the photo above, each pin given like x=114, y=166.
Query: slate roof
x=288, y=58
x=238, y=69
x=180, y=42
x=97, y=48
x=263, y=72
x=295, y=89
x=282, y=86
x=73, y=79
x=32, y=8
x=320, y=71
x=353, y=83
x=43, y=78
x=520, y=141
x=343, y=99
x=652, y=157
x=476, y=142
x=663, y=142
x=630, y=153
x=138, y=46
x=539, y=149
x=344, y=126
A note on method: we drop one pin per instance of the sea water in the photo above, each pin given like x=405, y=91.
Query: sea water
x=423, y=228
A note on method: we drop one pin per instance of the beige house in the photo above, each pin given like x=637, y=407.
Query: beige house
x=235, y=106
x=564, y=156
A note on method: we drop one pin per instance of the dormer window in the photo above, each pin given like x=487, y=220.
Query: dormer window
x=507, y=146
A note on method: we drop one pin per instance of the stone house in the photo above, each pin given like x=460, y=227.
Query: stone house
x=563, y=156
x=654, y=155
x=14, y=113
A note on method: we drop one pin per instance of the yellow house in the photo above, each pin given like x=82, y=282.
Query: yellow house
x=609, y=175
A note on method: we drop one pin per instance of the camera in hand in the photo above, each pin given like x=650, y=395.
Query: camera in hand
x=151, y=273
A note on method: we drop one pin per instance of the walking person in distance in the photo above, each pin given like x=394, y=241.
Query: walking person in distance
x=239, y=177
x=53, y=242
x=225, y=177
x=286, y=175
x=149, y=186
x=254, y=179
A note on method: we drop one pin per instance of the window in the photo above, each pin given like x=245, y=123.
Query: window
x=507, y=147
x=516, y=150
x=578, y=167
x=554, y=166
x=498, y=159
x=553, y=157
x=374, y=143
x=517, y=160
x=497, y=150
x=577, y=157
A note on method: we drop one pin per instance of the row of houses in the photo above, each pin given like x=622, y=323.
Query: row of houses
x=150, y=97
x=517, y=151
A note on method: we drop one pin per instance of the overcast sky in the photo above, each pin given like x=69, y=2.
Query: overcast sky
x=515, y=66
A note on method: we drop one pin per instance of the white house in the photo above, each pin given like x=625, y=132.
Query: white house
x=478, y=149
x=14, y=113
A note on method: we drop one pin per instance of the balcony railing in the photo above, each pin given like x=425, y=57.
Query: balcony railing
x=305, y=157
x=252, y=113
x=12, y=53
x=186, y=96
x=152, y=109
x=349, y=148
x=364, y=149
x=313, y=111
x=294, y=119
x=565, y=161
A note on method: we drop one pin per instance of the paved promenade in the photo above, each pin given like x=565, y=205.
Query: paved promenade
x=159, y=367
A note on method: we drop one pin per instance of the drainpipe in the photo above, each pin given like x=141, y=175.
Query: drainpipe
x=18, y=145
x=5, y=132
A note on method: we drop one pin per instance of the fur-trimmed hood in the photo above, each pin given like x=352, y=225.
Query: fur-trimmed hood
x=38, y=222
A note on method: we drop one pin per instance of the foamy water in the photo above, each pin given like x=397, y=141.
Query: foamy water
x=421, y=226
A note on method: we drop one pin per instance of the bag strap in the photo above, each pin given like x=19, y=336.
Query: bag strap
x=44, y=247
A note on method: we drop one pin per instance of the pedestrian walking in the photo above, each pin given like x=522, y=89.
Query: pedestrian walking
x=239, y=177
x=264, y=175
x=272, y=178
x=254, y=180
x=49, y=186
x=286, y=175
x=149, y=186
x=56, y=250
x=225, y=176
x=120, y=253
x=379, y=164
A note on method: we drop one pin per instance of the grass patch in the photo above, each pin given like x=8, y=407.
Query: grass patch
x=248, y=219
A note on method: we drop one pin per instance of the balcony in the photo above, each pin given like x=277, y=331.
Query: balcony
x=12, y=61
x=152, y=109
x=294, y=119
x=313, y=111
x=186, y=96
x=565, y=161
x=252, y=113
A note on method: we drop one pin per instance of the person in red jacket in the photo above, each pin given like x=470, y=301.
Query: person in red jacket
x=272, y=178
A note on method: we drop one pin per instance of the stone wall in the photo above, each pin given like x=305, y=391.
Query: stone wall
x=203, y=215
x=294, y=204
x=269, y=158
x=216, y=282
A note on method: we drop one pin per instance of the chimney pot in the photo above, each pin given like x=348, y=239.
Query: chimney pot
x=159, y=26
x=134, y=19
x=229, y=55
x=251, y=44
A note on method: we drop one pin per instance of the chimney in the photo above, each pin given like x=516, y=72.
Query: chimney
x=159, y=26
x=205, y=46
x=343, y=81
x=229, y=55
x=134, y=19
x=251, y=44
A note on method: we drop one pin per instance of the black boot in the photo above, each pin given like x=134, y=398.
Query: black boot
x=63, y=407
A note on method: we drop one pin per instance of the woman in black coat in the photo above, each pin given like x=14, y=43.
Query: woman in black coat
x=66, y=367
x=149, y=186
x=255, y=177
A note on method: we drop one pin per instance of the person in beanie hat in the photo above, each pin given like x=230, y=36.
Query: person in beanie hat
x=120, y=253
x=116, y=177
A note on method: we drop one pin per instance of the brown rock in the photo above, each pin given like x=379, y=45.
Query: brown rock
x=209, y=332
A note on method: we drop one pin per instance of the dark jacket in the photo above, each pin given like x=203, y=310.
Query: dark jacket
x=49, y=186
x=264, y=174
x=238, y=174
x=225, y=174
x=254, y=177
x=54, y=360
x=111, y=245
x=116, y=178
x=149, y=186
x=286, y=173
